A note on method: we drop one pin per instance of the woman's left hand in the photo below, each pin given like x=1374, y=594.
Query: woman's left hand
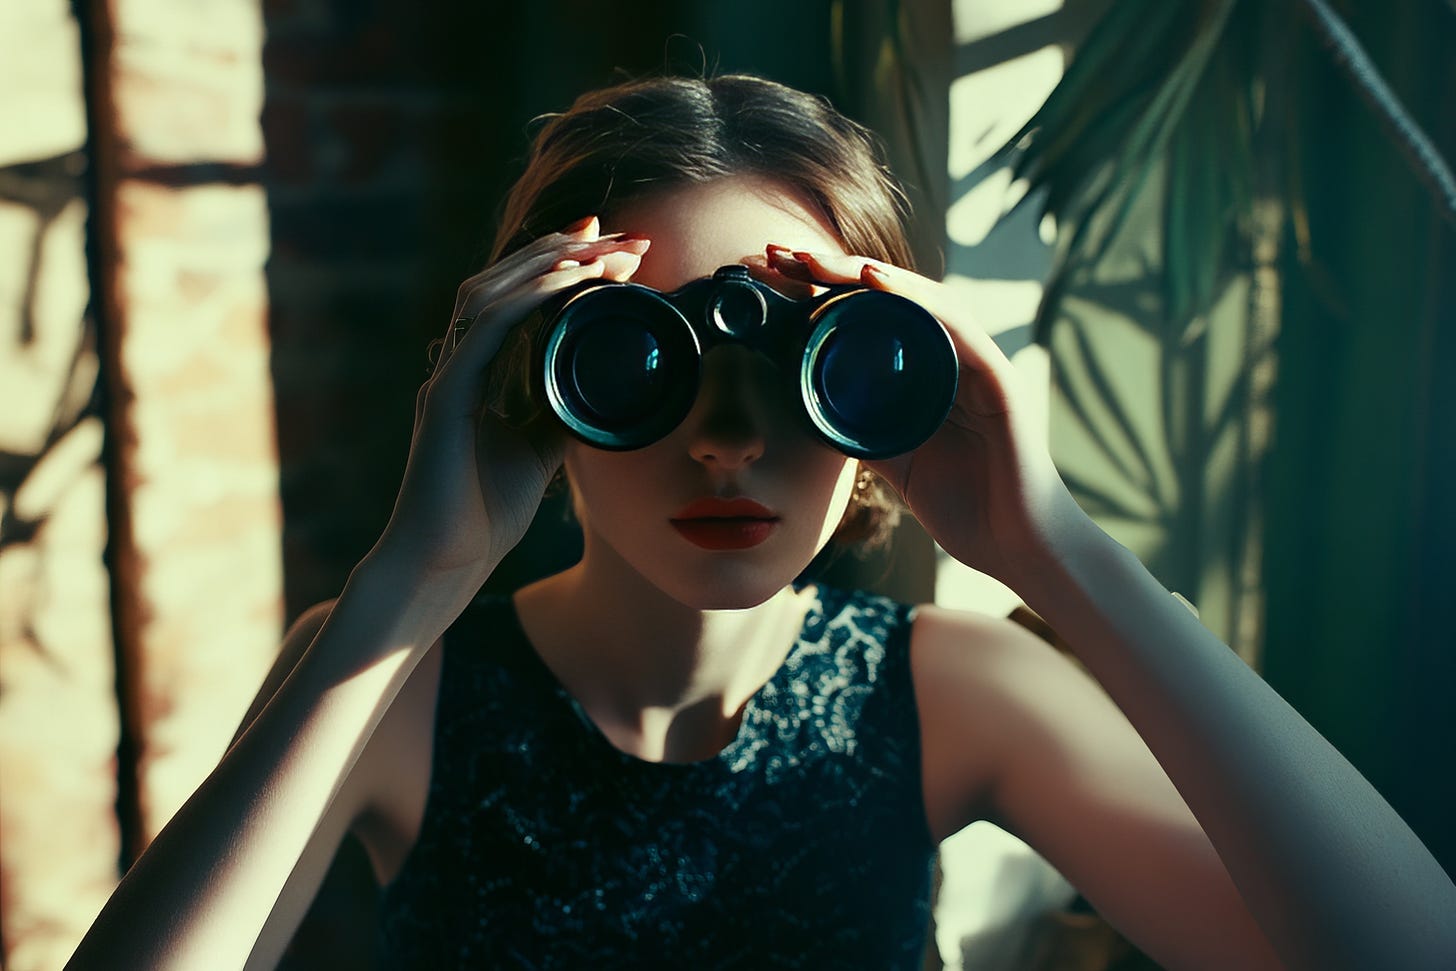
x=984, y=484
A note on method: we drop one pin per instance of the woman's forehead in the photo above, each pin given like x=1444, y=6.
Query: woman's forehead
x=697, y=228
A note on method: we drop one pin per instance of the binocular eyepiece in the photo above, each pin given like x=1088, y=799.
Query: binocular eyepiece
x=620, y=363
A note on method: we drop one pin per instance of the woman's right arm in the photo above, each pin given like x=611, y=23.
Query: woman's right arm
x=203, y=891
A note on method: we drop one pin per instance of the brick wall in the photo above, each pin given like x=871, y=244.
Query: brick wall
x=177, y=92
x=180, y=233
x=59, y=839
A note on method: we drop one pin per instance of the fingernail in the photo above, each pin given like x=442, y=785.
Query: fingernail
x=616, y=238
x=803, y=257
x=788, y=265
x=580, y=225
x=869, y=273
x=622, y=270
x=630, y=244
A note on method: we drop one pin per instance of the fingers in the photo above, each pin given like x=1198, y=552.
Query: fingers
x=535, y=257
x=494, y=300
x=973, y=344
x=838, y=268
x=762, y=270
x=783, y=261
x=484, y=336
x=618, y=265
x=558, y=250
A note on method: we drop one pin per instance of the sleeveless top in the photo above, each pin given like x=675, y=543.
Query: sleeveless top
x=802, y=844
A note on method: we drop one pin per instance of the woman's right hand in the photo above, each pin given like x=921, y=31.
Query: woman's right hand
x=472, y=483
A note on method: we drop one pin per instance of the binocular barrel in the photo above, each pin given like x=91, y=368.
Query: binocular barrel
x=620, y=363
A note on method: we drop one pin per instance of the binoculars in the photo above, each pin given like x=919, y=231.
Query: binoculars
x=620, y=363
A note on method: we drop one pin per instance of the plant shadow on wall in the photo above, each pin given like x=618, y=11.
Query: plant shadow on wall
x=1234, y=187
x=59, y=717
x=1145, y=157
x=44, y=402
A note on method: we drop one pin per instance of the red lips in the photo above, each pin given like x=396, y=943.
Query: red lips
x=725, y=524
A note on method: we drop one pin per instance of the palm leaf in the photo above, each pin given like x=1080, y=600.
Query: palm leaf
x=1116, y=116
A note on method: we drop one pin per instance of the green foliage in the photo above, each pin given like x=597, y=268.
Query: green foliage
x=1154, y=84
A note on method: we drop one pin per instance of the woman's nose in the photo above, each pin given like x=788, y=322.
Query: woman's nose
x=728, y=420
x=726, y=446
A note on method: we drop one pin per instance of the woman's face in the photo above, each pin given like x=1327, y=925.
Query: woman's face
x=660, y=510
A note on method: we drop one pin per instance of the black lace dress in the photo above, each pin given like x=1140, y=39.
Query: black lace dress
x=803, y=844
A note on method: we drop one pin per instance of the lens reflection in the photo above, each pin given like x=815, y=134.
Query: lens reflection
x=868, y=382
x=618, y=371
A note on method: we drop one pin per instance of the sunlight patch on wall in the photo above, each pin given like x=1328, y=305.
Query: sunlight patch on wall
x=59, y=719
x=199, y=560
x=995, y=889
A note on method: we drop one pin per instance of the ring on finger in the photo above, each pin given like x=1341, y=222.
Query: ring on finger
x=457, y=334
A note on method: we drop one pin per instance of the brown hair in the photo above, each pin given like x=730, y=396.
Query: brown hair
x=619, y=143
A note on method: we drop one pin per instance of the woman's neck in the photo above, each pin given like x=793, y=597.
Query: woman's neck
x=663, y=681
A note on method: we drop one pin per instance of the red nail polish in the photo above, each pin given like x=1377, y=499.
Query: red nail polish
x=610, y=239
x=803, y=257
x=580, y=224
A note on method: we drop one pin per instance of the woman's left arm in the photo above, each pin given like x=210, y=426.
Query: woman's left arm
x=1332, y=875
x=1329, y=871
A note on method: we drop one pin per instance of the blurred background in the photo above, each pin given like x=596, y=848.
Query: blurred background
x=1217, y=245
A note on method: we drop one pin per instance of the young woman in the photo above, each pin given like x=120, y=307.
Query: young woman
x=674, y=755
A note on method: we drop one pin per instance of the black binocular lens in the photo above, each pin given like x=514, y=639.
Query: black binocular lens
x=857, y=373
x=876, y=374
x=619, y=366
x=620, y=363
x=618, y=373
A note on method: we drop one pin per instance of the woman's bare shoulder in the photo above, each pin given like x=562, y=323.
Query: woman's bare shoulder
x=967, y=650
x=967, y=668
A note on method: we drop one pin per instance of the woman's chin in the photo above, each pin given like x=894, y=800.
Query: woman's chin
x=721, y=598
x=725, y=590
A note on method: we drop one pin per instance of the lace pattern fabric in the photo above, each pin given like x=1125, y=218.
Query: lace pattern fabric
x=802, y=844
